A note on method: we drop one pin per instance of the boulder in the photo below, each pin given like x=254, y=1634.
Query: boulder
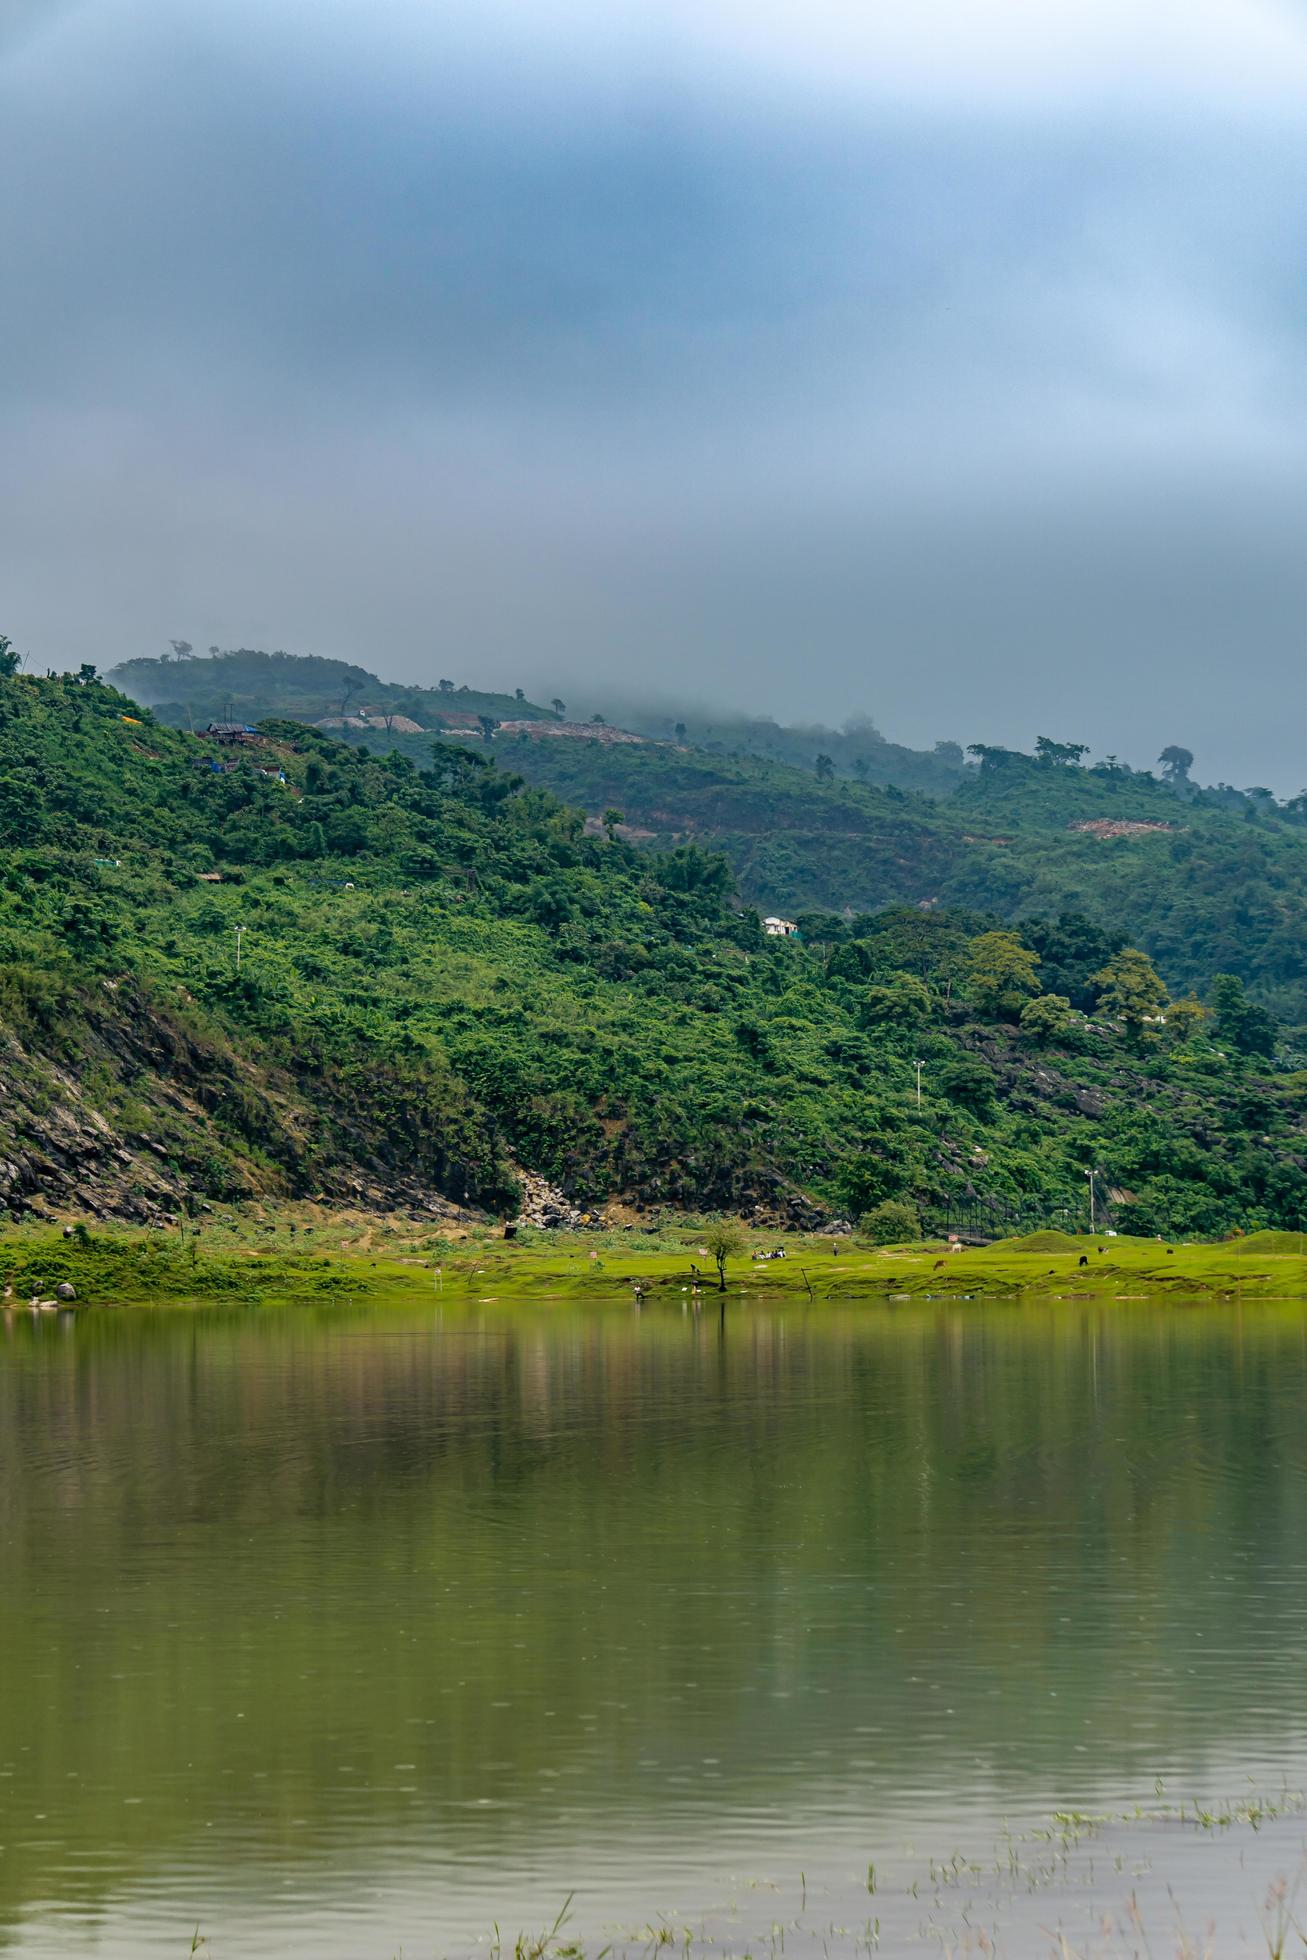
x=65, y=1290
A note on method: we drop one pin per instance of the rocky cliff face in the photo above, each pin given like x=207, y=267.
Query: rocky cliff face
x=122, y=1112
x=58, y=1152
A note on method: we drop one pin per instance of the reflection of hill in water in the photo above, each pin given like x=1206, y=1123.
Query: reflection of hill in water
x=310, y=1580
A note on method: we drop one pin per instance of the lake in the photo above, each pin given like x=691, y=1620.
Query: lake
x=351, y=1631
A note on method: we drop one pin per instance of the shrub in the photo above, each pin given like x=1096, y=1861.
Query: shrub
x=890, y=1222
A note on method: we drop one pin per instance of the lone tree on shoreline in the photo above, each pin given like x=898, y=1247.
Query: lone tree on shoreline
x=724, y=1241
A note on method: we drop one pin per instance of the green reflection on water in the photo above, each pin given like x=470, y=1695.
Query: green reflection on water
x=479, y=1590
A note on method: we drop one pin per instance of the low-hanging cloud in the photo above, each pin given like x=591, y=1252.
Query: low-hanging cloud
x=804, y=360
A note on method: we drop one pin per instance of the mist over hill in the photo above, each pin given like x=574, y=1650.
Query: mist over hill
x=1205, y=879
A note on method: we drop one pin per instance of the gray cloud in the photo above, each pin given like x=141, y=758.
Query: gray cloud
x=598, y=362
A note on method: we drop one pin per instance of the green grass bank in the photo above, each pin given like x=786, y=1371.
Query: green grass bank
x=123, y=1266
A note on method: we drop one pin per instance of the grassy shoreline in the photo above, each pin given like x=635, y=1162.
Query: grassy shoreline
x=251, y=1259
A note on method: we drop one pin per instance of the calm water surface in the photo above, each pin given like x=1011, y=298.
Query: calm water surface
x=350, y=1632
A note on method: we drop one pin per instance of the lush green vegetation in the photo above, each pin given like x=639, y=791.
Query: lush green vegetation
x=1206, y=881
x=300, y=969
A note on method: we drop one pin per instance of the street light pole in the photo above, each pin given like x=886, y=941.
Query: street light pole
x=240, y=932
x=1093, y=1226
x=919, y=1067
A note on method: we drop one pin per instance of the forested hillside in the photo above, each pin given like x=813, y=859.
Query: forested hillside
x=290, y=967
x=1205, y=880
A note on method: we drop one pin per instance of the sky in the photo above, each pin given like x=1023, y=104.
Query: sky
x=941, y=363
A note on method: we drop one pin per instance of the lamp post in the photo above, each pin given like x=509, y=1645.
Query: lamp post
x=919, y=1066
x=1093, y=1223
x=240, y=932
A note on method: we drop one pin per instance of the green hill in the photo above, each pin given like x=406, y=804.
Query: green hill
x=1206, y=881
x=858, y=750
x=290, y=967
x=243, y=684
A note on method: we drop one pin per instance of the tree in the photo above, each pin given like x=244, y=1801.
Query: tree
x=559, y=707
x=519, y=694
x=870, y=1176
x=600, y=720
x=860, y=767
x=610, y=820
x=1183, y=1019
x=1176, y=763
x=950, y=752
x=991, y=757
x=488, y=727
x=891, y=1222
x=821, y=928
x=695, y=872
x=549, y=902
x=825, y=768
x=902, y=1001
x=680, y=731
x=1131, y=990
x=1059, y=755
x=1071, y=950
x=968, y=1083
x=1002, y=973
x=89, y=925
x=724, y=1241
x=446, y=687
x=1238, y=1021
x=1047, y=1019
x=1286, y=1198
x=10, y=658
x=180, y=649
x=85, y=674
x=455, y=766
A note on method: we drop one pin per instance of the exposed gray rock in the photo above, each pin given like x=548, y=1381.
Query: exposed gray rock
x=544, y=1205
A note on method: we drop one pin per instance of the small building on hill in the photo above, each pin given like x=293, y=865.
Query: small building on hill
x=780, y=928
x=235, y=732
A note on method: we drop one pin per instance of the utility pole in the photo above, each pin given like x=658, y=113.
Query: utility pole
x=919, y=1066
x=1093, y=1225
x=240, y=933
